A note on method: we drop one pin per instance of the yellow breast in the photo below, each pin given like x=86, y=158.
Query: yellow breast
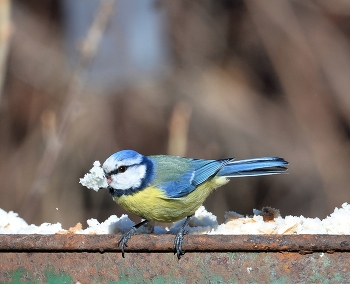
x=153, y=204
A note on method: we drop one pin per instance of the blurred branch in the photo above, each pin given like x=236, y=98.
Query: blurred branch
x=5, y=30
x=55, y=141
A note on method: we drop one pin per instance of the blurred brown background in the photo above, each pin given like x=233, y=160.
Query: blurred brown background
x=83, y=79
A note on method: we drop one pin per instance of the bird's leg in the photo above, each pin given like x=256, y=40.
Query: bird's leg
x=180, y=237
x=124, y=239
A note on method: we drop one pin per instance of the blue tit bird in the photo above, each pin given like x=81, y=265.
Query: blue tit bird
x=166, y=188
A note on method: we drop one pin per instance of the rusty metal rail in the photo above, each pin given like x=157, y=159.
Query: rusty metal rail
x=74, y=258
x=164, y=243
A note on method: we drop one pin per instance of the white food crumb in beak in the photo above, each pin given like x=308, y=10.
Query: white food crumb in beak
x=95, y=179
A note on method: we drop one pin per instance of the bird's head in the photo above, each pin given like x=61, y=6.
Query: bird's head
x=127, y=172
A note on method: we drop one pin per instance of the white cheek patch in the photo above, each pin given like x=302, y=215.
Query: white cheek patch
x=131, y=178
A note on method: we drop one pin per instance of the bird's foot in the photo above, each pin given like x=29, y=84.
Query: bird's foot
x=180, y=237
x=178, y=242
x=125, y=237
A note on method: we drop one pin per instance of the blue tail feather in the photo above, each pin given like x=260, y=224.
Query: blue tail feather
x=254, y=167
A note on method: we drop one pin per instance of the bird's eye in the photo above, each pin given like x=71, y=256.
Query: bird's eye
x=122, y=169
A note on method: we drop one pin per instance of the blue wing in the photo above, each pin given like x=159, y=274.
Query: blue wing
x=179, y=176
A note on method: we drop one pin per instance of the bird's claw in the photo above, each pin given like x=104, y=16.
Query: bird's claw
x=178, y=243
x=124, y=239
x=180, y=237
